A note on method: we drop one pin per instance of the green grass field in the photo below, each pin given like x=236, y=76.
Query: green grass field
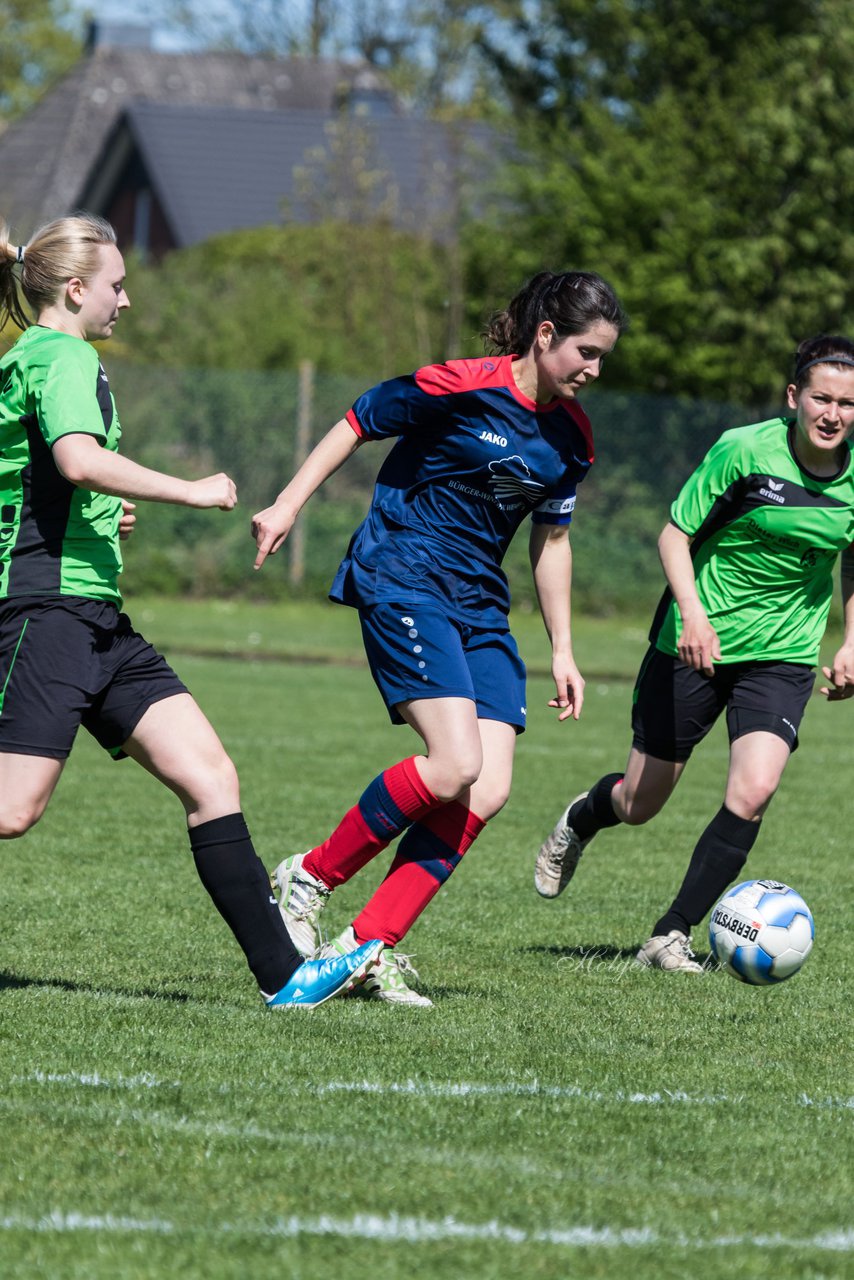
x=559, y=1113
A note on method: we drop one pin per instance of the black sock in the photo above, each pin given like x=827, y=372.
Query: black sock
x=235, y=878
x=595, y=811
x=720, y=854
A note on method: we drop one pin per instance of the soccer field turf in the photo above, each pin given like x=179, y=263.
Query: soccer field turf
x=558, y=1113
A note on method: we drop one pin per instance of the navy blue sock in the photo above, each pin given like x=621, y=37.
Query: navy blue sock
x=719, y=855
x=236, y=880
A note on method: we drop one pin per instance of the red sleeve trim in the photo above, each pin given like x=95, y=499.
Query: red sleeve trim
x=355, y=424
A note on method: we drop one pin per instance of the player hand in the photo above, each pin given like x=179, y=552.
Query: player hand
x=840, y=677
x=698, y=645
x=213, y=491
x=569, y=687
x=270, y=527
x=126, y=520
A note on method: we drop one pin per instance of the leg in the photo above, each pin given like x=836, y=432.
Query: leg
x=426, y=857
x=433, y=847
x=674, y=707
x=756, y=765
x=176, y=743
x=632, y=798
x=647, y=785
x=26, y=785
x=757, y=761
x=389, y=804
x=400, y=795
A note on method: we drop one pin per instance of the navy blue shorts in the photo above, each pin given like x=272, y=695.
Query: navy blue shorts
x=417, y=651
x=676, y=706
x=67, y=661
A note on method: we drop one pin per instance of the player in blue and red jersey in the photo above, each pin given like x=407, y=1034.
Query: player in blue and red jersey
x=481, y=444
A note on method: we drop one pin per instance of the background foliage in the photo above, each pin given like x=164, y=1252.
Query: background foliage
x=695, y=152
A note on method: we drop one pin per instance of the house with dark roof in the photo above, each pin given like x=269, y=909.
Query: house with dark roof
x=173, y=148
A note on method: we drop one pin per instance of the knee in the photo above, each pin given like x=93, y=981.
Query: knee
x=455, y=773
x=751, y=797
x=489, y=797
x=217, y=784
x=16, y=819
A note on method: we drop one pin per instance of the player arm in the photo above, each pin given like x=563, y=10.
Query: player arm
x=551, y=563
x=83, y=461
x=698, y=643
x=271, y=526
x=840, y=675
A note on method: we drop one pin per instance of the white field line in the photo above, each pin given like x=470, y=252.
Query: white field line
x=395, y=1229
x=447, y=1090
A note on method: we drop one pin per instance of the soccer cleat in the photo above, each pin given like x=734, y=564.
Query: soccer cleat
x=671, y=951
x=301, y=902
x=318, y=980
x=559, y=856
x=386, y=979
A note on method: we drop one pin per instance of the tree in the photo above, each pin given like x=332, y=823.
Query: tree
x=359, y=301
x=697, y=153
x=41, y=41
x=429, y=50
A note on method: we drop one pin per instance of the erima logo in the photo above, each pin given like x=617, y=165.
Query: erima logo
x=772, y=493
x=491, y=438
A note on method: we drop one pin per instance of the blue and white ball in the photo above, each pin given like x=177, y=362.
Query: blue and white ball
x=761, y=931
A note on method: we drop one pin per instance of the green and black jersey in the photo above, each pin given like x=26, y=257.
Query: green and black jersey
x=765, y=537
x=55, y=538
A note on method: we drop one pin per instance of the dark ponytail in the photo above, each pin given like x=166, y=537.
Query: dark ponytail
x=573, y=301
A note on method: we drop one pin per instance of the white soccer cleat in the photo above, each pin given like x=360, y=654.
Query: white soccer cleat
x=301, y=902
x=671, y=952
x=558, y=857
x=385, y=979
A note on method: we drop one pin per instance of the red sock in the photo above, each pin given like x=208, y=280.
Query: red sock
x=386, y=808
x=426, y=856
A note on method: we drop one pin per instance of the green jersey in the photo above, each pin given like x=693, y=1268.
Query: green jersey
x=765, y=537
x=55, y=538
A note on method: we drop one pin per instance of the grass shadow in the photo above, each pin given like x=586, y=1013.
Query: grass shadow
x=16, y=982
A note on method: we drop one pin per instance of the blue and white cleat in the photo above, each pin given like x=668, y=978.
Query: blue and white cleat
x=318, y=980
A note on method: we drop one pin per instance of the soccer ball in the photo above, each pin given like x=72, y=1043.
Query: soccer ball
x=761, y=931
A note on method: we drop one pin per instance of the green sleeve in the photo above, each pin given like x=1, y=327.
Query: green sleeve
x=722, y=466
x=64, y=387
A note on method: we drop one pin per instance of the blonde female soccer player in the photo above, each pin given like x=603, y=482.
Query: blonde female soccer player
x=68, y=655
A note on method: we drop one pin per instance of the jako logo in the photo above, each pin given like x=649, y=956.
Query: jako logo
x=491, y=438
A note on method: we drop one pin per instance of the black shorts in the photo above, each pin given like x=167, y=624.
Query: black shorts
x=67, y=661
x=676, y=706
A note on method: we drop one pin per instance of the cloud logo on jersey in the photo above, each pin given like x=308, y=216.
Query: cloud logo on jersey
x=508, y=485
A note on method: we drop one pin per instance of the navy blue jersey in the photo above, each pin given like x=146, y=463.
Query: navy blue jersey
x=474, y=456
